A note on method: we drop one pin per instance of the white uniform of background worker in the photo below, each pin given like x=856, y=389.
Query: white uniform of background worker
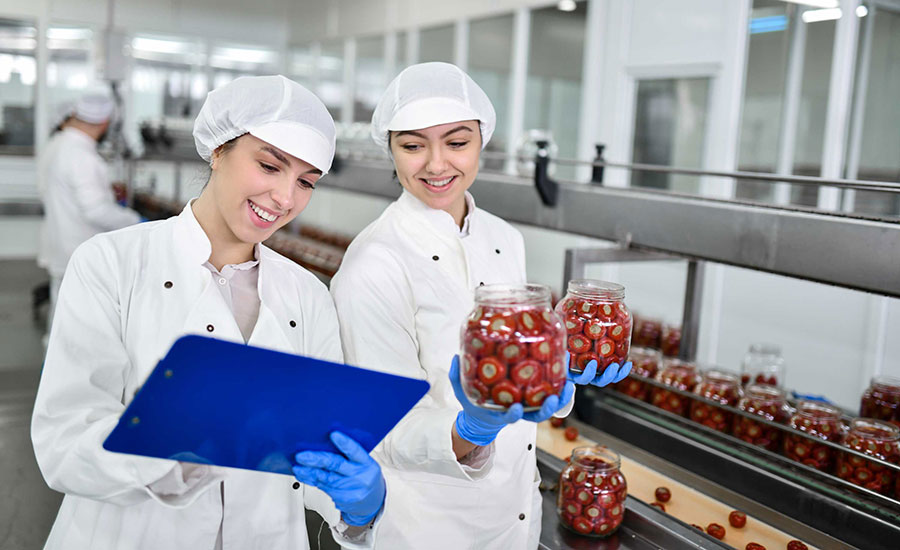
x=127, y=295
x=75, y=186
x=459, y=477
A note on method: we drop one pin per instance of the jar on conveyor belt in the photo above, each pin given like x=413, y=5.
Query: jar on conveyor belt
x=721, y=387
x=881, y=400
x=878, y=439
x=679, y=374
x=821, y=420
x=598, y=324
x=513, y=348
x=763, y=364
x=645, y=362
x=767, y=402
x=670, y=340
x=647, y=332
x=592, y=492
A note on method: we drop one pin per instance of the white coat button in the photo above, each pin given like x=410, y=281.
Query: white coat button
x=521, y=516
x=296, y=485
x=222, y=280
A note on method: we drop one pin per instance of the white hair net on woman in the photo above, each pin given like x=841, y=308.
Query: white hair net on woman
x=430, y=94
x=272, y=108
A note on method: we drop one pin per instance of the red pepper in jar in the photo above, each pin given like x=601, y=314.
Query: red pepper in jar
x=529, y=323
x=573, y=324
x=537, y=393
x=512, y=352
x=588, y=494
x=645, y=363
x=723, y=388
x=526, y=373
x=766, y=402
x=822, y=421
x=506, y=393
x=677, y=374
x=502, y=324
x=542, y=351
x=594, y=329
x=579, y=344
x=877, y=439
x=491, y=371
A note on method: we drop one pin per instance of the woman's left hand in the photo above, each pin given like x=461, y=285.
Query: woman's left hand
x=612, y=374
x=352, y=479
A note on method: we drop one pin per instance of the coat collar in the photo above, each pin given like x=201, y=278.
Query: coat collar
x=77, y=136
x=192, y=241
x=440, y=220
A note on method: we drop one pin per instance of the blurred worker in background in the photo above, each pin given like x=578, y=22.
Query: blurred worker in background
x=74, y=183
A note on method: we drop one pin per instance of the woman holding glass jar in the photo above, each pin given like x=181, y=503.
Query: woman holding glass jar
x=457, y=474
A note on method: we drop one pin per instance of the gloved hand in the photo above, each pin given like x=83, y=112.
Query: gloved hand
x=480, y=426
x=613, y=373
x=353, y=481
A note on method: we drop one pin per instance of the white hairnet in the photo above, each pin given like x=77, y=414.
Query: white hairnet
x=94, y=108
x=430, y=94
x=272, y=108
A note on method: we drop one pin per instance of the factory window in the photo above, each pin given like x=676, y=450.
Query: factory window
x=670, y=129
x=18, y=41
x=331, y=77
x=553, y=88
x=813, y=108
x=764, y=85
x=490, y=59
x=370, y=77
x=436, y=44
x=877, y=155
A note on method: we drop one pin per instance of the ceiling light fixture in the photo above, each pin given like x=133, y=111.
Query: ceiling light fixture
x=816, y=16
x=566, y=5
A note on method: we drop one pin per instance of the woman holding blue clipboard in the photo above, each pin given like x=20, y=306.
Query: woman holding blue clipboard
x=128, y=295
x=459, y=476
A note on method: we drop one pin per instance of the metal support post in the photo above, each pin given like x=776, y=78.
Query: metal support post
x=693, y=303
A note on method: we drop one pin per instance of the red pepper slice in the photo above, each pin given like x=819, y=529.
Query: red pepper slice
x=537, y=393
x=585, y=309
x=594, y=329
x=541, y=350
x=574, y=325
x=607, y=311
x=527, y=372
x=582, y=359
x=502, y=324
x=579, y=344
x=479, y=345
x=605, y=347
x=490, y=371
x=616, y=332
x=468, y=367
x=529, y=323
x=513, y=351
x=477, y=390
x=506, y=393
x=583, y=525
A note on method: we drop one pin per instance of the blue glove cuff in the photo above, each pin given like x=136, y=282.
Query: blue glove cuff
x=356, y=520
x=472, y=431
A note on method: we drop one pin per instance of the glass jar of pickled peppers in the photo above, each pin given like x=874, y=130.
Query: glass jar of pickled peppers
x=512, y=348
x=679, y=374
x=875, y=438
x=645, y=362
x=881, y=400
x=647, y=332
x=597, y=323
x=763, y=364
x=592, y=492
x=769, y=403
x=670, y=340
x=821, y=420
x=721, y=387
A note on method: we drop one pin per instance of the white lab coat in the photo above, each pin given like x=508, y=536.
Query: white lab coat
x=73, y=180
x=125, y=298
x=403, y=290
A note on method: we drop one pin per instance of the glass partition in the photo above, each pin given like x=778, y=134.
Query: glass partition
x=436, y=44
x=18, y=70
x=490, y=60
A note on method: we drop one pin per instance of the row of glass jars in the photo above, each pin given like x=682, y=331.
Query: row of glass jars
x=820, y=420
x=654, y=334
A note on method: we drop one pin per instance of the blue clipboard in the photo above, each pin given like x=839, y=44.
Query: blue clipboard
x=216, y=402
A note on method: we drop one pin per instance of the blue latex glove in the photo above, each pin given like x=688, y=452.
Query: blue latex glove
x=143, y=219
x=353, y=481
x=613, y=373
x=480, y=426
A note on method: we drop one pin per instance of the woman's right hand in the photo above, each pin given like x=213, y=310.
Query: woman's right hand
x=475, y=424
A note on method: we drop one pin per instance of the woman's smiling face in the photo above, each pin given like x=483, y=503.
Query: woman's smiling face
x=438, y=164
x=258, y=189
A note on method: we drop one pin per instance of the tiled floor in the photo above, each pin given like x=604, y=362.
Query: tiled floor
x=27, y=506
